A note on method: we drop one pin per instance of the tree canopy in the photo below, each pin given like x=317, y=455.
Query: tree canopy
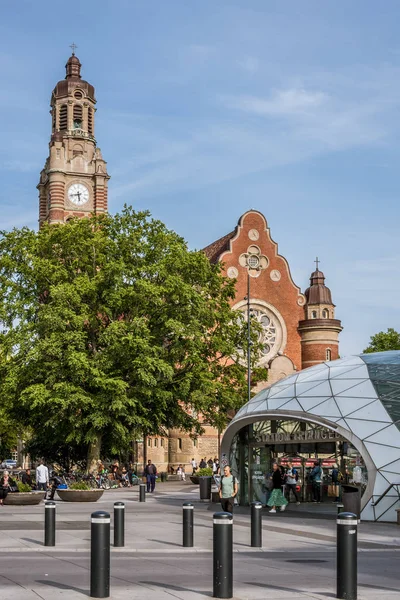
x=384, y=340
x=111, y=324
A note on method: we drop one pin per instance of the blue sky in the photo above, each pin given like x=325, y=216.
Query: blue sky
x=207, y=109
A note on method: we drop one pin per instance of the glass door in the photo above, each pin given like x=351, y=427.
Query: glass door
x=260, y=465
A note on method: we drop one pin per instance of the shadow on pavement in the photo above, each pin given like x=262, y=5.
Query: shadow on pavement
x=32, y=541
x=287, y=589
x=62, y=586
x=164, y=542
x=177, y=588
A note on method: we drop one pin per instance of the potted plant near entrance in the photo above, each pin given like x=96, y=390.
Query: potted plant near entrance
x=80, y=492
x=205, y=478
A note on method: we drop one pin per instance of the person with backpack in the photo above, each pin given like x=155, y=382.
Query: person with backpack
x=316, y=482
x=292, y=477
x=337, y=478
x=228, y=489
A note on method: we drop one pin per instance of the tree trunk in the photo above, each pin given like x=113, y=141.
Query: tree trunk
x=94, y=454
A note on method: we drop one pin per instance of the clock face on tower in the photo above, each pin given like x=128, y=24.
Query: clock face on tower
x=78, y=194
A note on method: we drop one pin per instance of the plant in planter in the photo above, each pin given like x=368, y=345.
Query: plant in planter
x=206, y=472
x=24, y=496
x=80, y=491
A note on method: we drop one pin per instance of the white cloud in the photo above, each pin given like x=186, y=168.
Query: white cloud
x=281, y=102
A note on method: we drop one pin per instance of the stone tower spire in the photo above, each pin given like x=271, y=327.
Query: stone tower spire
x=319, y=330
x=74, y=180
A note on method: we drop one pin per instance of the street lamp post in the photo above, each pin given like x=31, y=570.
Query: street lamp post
x=248, y=339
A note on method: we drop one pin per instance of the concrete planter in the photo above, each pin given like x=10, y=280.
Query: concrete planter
x=194, y=479
x=80, y=495
x=23, y=498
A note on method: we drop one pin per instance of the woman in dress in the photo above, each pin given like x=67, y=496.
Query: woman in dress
x=277, y=498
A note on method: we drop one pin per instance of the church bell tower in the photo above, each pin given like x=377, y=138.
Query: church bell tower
x=74, y=180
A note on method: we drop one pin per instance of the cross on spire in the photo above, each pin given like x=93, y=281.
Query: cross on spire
x=317, y=262
x=73, y=46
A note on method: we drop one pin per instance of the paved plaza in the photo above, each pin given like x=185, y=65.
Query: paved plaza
x=297, y=559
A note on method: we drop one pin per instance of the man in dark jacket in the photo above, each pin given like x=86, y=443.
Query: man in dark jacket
x=150, y=472
x=27, y=478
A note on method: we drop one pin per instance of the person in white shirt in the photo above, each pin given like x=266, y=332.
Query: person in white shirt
x=194, y=465
x=181, y=471
x=42, y=477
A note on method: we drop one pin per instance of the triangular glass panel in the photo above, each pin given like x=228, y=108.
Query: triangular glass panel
x=393, y=467
x=349, y=404
x=381, y=484
x=308, y=403
x=367, y=513
x=291, y=405
x=373, y=411
x=391, y=477
x=363, y=429
x=364, y=389
x=277, y=401
x=352, y=360
x=345, y=372
x=386, y=509
x=256, y=406
x=322, y=389
x=339, y=386
x=390, y=436
x=276, y=389
x=383, y=456
x=313, y=375
x=342, y=423
x=328, y=408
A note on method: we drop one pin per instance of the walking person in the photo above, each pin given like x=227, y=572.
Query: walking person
x=336, y=479
x=194, y=466
x=42, y=477
x=228, y=489
x=181, y=472
x=277, y=498
x=292, y=477
x=151, y=473
x=316, y=482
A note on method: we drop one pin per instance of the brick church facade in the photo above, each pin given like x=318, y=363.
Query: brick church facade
x=298, y=329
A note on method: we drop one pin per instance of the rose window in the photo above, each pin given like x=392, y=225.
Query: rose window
x=270, y=336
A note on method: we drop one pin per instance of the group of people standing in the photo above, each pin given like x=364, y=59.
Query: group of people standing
x=211, y=463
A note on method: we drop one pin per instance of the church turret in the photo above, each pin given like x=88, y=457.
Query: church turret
x=74, y=179
x=319, y=330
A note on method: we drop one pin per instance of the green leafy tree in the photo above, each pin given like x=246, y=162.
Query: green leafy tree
x=111, y=324
x=384, y=340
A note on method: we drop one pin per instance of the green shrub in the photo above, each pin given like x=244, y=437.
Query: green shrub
x=207, y=471
x=79, y=485
x=23, y=487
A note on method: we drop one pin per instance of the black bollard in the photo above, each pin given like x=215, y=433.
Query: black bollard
x=223, y=555
x=50, y=524
x=119, y=524
x=100, y=555
x=346, y=562
x=340, y=508
x=187, y=525
x=142, y=492
x=256, y=525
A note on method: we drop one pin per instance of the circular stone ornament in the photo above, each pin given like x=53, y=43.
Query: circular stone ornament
x=253, y=234
x=275, y=275
x=232, y=272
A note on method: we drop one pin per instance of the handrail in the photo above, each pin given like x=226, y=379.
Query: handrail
x=384, y=493
x=374, y=504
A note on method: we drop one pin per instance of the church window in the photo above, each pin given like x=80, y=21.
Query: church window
x=195, y=442
x=149, y=442
x=63, y=117
x=270, y=331
x=155, y=442
x=78, y=95
x=78, y=116
x=77, y=150
x=314, y=314
x=325, y=314
x=90, y=121
x=162, y=442
x=179, y=443
x=328, y=354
